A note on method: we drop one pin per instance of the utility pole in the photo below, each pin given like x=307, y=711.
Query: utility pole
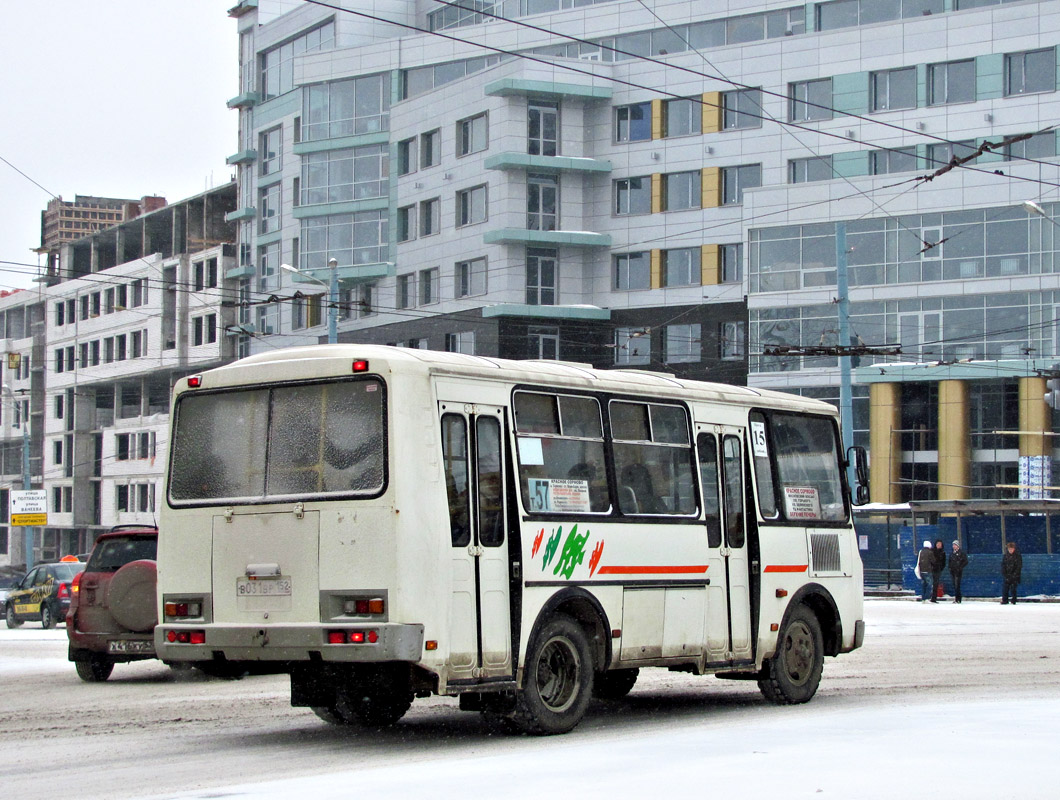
x=846, y=400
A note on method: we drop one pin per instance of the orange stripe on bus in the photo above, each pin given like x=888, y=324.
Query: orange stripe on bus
x=694, y=569
x=787, y=567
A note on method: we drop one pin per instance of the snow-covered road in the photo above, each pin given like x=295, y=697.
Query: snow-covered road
x=968, y=695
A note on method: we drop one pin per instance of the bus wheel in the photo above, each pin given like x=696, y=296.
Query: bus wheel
x=793, y=674
x=614, y=685
x=558, y=679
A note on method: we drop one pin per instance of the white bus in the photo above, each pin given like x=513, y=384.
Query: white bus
x=386, y=523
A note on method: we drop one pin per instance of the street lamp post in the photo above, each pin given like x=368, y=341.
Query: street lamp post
x=333, y=294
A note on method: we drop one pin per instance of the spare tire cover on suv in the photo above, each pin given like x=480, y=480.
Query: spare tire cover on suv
x=131, y=597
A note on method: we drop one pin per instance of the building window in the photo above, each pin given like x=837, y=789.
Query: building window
x=270, y=154
x=542, y=276
x=277, y=63
x=60, y=313
x=731, y=263
x=1040, y=145
x=108, y=350
x=741, y=109
x=429, y=286
x=351, y=239
x=893, y=89
x=430, y=216
x=204, y=329
x=542, y=122
x=406, y=153
x=732, y=344
x=205, y=274
x=268, y=267
x=681, y=190
x=1030, y=71
x=305, y=311
x=120, y=347
x=632, y=271
x=633, y=195
x=542, y=202
x=810, y=100
x=734, y=180
x=471, y=206
x=807, y=170
x=902, y=159
x=269, y=209
x=633, y=123
x=472, y=135
x=682, y=117
x=942, y=153
x=543, y=343
x=632, y=346
x=430, y=148
x=340, y=176
x=462, y=342
x=681, y=267
x=346, y=108
x=108, y=301
x=951, y=82
x=406, y=223
x=406, y=290
x=682, y=343
x=58, y=408
x=470, y=277
x=268, y=319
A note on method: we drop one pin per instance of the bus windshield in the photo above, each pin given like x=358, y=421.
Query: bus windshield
x=281, y=441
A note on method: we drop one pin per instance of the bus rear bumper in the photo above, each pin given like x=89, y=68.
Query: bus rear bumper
x=361, y=643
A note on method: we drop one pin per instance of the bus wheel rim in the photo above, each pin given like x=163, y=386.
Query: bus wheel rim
x=798, y=653
x=557, y=674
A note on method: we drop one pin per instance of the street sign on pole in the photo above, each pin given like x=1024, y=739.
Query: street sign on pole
x=29, y=507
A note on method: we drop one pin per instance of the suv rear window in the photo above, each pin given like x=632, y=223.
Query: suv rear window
x=111, y=555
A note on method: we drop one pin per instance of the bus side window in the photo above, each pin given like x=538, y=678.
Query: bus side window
x=733, y=492
x=454, y=462
x=763, y=462
x=708, y=476
x=488, y=479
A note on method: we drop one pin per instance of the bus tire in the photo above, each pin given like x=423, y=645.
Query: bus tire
x=374, y=704
x=558, y=680
x=614, y=685
x=793, y=674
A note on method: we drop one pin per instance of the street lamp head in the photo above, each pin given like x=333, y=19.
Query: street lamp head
x=333, y=262
x=1033, y=208
x=289, y=268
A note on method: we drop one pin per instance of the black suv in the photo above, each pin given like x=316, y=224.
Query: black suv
x=43, y=595
x=113, y=614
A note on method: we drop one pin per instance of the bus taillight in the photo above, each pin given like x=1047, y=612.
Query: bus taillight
x=186, y=637
x=353, y=637
x=361, y=365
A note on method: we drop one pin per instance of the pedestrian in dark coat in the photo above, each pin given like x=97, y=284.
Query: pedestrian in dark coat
x=936, y=570
x=1011, y=569
x=958, y=561
x=925, y=564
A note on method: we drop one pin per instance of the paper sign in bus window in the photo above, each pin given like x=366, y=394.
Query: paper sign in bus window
x=558, y=495
x=530, y=453
x=802, y=502
x=758, y=440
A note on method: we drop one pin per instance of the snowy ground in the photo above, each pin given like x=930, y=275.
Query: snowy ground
x=968, y=695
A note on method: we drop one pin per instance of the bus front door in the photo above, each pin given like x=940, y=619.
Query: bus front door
x=734, y=547
x=479, y=612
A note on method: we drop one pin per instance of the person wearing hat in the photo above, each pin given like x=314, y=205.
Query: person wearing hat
x=958, y=561
x=1011, y=569
x=925, y=567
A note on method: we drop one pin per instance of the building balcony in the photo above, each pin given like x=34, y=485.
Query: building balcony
x=240, y=214
x=518, y=161
x=245, y=100
x=242, y=157
x=547, y=238
x=580, y=312
x=244, y=271
x=522, y=87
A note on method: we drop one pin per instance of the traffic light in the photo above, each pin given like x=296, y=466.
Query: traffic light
x=1052, y=397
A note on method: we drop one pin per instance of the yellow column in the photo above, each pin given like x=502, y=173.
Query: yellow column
x=710, y=264
x=711, y=186
x=885, y=416
x=656, y=119
x=656, y=269
x=1034, y=416
x=711, y=112
x=656, y=192
x=954, y=443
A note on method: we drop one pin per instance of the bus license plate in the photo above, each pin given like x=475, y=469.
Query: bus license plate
x=268, y=587
x=120, y=646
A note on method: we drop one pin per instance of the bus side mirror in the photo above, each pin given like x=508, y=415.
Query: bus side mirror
x=861, y=495
x=860, y=460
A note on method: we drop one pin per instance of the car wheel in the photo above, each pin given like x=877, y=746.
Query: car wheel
x=95, y=669
x=12, y=620
x=47, y=616
x=558, y=679
x=793, y=674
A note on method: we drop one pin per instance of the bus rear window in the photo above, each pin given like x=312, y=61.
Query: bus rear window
x=261, y=443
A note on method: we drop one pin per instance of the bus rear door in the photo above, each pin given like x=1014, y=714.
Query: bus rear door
x=474, y=459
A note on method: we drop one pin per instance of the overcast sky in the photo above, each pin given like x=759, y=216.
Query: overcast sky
x=118, y=98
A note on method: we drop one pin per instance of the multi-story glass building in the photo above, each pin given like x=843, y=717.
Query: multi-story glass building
x=663, y=187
